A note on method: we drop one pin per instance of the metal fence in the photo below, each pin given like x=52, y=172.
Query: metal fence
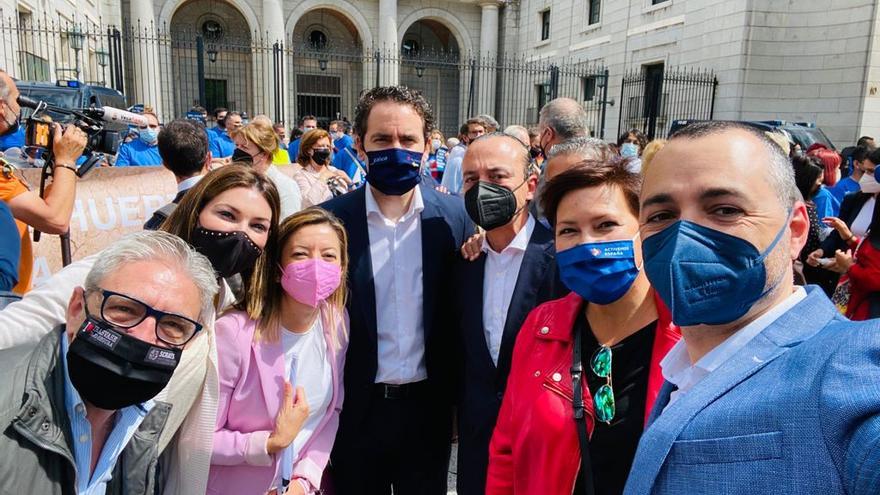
x=173, y=70
x=652, y=97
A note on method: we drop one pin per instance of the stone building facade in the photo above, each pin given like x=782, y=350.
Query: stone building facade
x=773, y=59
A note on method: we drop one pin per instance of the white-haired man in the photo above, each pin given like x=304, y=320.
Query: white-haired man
x=72, y=403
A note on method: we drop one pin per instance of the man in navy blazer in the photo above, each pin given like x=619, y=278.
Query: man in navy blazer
x=770, y=390
x=403, y=241
x=514, y=273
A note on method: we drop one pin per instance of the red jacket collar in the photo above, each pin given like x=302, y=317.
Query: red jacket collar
x=561, y=315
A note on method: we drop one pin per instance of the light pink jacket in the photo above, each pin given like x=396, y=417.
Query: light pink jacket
x=251, y=389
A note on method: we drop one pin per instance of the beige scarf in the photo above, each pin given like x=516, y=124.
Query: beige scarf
x=193, y=391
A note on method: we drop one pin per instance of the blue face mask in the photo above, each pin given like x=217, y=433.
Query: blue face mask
x=148, y=135
x=704, y=276
x=394, y=171
x=629, y=150
x=599, y=272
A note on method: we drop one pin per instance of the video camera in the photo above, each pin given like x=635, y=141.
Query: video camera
x=40, y=131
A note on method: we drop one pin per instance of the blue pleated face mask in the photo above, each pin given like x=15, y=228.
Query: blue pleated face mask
x=599, y=272
x=704, y=276
x=394, y=171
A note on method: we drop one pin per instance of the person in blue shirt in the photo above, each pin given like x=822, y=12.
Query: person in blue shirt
x=219, y=142
x=344, y=154
x=143, y=151
x=306, y=124
x=850, y=183
x=10, y=253
x=14, y=139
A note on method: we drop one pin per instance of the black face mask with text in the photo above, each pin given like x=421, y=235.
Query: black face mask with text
x=112, y=370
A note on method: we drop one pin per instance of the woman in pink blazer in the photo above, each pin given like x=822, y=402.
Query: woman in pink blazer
x=265, y=439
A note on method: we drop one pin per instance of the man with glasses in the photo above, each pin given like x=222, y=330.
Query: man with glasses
x=72, y=403
x=143, y=151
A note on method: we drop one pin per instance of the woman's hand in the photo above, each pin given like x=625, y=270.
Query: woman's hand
x=813, y=258
x=289, y=420
x=842, y=261
x=840, y=226
x=295, y=488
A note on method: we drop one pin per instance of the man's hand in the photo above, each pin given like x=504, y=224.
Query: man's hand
x=473, y=247
x=68, y=145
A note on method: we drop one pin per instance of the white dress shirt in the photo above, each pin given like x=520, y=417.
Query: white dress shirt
x=677, y=368
x=862, y=222
x=499, y=281
x=396, y=255
x=188, y=183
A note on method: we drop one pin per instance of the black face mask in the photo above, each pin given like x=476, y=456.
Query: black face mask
x=113, y=370
x=489, y=205
x=228, y=252
x=320, y=156
x=535, y=152
x=240, y=155
x=221, y=123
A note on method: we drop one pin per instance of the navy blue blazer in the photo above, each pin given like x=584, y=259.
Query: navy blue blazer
x=482, y=383
x=445, y=226
x=795, y=411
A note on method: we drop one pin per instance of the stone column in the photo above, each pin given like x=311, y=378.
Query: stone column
x=148, y=88
x=488, y=57
x=389, y=71
x=273, y=31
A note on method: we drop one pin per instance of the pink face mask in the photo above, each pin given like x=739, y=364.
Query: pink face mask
x=311, y=281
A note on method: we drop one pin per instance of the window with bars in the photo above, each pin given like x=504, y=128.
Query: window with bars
x=545, y=25
x=595, y=8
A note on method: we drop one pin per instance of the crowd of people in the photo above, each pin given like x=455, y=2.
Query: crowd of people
x=331, y=310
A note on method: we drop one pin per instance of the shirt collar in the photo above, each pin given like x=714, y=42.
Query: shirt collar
x=520, y=241
x=415, y=207
x=676, y=365
x=188, y=183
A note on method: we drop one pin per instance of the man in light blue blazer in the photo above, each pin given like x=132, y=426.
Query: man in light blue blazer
x=771, y=390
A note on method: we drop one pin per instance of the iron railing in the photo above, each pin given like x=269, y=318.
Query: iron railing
x=173, y=70
x=651, y=100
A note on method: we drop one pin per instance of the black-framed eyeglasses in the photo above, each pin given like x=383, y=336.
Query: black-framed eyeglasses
x=126, y=312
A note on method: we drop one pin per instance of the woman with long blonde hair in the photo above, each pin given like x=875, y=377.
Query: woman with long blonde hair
x=269, y=437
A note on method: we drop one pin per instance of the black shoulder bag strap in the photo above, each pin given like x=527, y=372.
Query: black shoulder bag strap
x=577, y=372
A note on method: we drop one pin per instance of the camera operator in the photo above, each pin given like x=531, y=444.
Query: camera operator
x=52, y=213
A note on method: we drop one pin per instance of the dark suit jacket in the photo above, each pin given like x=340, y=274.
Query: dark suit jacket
x=445, y=226
x=482, y=383
x=849, y=210
x=161, y=214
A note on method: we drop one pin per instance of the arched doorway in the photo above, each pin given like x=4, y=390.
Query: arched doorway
x=326, y=66
x=431, y=63
x=212, y=57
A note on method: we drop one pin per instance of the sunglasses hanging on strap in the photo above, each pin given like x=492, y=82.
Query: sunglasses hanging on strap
x=580, y=419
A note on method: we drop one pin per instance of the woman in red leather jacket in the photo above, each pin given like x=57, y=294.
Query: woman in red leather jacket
x=623, y=330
